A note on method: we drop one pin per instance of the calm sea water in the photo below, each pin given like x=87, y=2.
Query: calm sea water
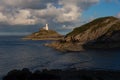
x=16, y=53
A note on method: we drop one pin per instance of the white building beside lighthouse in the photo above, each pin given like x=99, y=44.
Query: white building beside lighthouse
x=46, y=27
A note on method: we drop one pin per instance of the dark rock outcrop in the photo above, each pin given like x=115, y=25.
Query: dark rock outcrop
x=71, y=74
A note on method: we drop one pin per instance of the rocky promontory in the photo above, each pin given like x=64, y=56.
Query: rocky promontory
x=43, y=34
x=101, y=33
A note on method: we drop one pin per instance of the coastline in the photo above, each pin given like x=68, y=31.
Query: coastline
x=54, y=39
x=67, y=46
x=57, y=74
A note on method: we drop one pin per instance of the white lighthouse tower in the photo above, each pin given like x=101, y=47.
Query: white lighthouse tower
x=46, y=27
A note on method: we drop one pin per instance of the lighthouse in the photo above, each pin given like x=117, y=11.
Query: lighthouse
x=46, y=27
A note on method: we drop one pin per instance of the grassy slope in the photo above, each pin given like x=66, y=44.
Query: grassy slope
x=98, y=21
x=45, y=33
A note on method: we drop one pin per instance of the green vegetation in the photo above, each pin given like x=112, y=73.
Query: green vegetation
x=44, y=35
x=115, y=27
x=94, y=25
x=43, y=32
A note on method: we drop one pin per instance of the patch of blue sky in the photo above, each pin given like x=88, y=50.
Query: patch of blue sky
x=102, y=9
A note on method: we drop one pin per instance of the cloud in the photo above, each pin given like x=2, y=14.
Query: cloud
x=118, y=15
x=31, y=12
x=22, y=17
x=20, y=3
x=67, y=27
x=3, y=18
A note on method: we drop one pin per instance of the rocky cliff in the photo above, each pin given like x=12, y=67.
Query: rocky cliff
x=43, y=34
x=94, y=29
x=95, y=34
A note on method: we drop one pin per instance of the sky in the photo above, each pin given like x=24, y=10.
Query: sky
x=18, y=17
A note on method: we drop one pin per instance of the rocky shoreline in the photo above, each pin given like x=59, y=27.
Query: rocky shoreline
x=57, y=74
x=64, y=47
x=101, y=33
x=45, y=38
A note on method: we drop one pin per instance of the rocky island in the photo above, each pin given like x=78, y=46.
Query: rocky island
x=44, y=34
x=101, y=33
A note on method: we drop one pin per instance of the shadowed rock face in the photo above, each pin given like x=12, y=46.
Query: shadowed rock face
x=109, y=40
x=44, y=35
x=101, y=30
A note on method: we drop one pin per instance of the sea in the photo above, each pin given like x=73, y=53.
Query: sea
x=16, y=53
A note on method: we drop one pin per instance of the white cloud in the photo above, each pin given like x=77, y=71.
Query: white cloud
x=22, y=17
x=69, y=13
x=68, y=27
x=20, y=3
x=3, y=18
x=118, y=15
x=29, y=12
